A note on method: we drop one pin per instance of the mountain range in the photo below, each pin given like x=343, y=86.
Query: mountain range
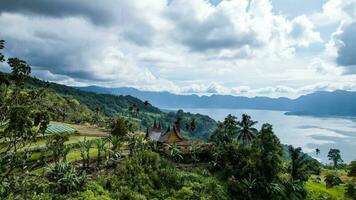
x=322, y=103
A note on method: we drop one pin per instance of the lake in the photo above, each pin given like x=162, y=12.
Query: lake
x=301, y=131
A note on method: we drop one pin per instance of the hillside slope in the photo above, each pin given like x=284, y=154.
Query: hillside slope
x=113, y=105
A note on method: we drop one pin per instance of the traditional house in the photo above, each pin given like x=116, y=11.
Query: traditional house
x=170, y=136
x=154, y=133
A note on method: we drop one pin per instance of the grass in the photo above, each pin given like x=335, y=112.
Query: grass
x=319, y=190
x=74, y=155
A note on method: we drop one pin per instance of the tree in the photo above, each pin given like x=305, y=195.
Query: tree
x=119, y=128
x=146, y=103
x=226, y=131
x=299, y=164
x=55, y=143
x=193, y=125
x=317, y=151
x=42, y=120
x=334, y=155
x=20, y=70
x=269, y=161
x=19, y=127
x=246, y=132
x=2, y=45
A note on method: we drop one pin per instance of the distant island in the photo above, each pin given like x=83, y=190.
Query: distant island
x=322, y=103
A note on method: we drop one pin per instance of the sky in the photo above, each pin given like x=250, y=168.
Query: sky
x=275, y=48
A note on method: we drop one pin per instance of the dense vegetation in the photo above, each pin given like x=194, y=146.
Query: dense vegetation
x=239, y=162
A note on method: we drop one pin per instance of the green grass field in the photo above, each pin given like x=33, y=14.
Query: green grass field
x=319, y=191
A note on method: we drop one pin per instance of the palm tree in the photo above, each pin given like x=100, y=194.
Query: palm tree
x=299, y=168
x=246, y=132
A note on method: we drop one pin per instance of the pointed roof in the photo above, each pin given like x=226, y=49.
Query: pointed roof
x=169, y=133
x=155, y=132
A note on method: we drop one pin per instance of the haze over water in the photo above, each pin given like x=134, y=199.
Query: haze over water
x=301, y=131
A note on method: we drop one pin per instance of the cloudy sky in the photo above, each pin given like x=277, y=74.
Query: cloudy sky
x=239, y=47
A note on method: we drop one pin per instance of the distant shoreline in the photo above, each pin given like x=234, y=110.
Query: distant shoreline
x=288, y=113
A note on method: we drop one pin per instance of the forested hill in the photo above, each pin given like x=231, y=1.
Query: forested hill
x=336, y=103
x=143, y=112
x=106, y=103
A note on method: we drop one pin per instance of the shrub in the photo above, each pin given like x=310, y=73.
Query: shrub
x=352, y=167
x=351, y=189
x=332, y=180
x=317, y=195
x=64, y=177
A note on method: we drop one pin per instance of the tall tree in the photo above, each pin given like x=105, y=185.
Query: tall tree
x=270, y=155
x=20, y=70
x=246, y=132
x=335, y=156
x=301, y=166
x=226, y=131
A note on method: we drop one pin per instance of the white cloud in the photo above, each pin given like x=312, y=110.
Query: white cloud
x=302, y=32
x=186, y=46
x=335, y=11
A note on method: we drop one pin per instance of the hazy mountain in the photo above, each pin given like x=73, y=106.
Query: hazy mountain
x=338, y=103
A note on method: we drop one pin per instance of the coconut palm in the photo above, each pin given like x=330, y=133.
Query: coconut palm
x=246, y=133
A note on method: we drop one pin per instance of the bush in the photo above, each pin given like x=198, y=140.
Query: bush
x=65, y=178
x=146, y=175
x=94, y=191
x=351, y=190
x=317, y=195
x=352, y=167
x=332, y=180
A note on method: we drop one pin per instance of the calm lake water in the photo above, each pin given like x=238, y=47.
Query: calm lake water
x=301, y=131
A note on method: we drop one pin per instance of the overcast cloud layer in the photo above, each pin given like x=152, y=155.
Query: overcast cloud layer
x=238, y=47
